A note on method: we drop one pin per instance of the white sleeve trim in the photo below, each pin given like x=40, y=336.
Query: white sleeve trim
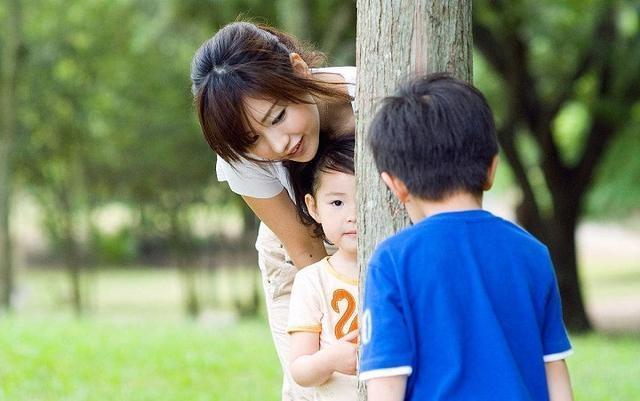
x=558, y=356
x=376, y=373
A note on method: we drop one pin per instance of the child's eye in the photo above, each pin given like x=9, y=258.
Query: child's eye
x=337, y=203
x=280, y=116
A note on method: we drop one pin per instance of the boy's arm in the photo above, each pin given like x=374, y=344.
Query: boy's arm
x=390, y=388
x=558, y=381
x=311, y=366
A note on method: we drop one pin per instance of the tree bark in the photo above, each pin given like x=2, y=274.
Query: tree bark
x=8, y=120
x=562, y=246
x=395, y=41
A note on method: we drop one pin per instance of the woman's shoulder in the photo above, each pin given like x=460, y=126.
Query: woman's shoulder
x=347, y=72
x=258, y=180
x=341, y=75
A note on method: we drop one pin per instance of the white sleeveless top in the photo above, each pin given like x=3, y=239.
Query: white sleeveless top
x=266, y=180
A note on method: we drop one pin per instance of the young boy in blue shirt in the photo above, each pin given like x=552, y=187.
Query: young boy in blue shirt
x=462, y=305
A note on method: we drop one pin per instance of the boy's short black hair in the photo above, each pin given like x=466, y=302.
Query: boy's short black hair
x=437, y=135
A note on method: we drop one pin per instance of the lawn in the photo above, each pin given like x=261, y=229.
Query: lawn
x=135, y=343
x=64, y=359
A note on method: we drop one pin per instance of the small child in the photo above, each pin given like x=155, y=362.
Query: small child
x=462, y=305
x=324, y=299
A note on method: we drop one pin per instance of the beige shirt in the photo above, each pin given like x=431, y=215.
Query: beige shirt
x=326, y=302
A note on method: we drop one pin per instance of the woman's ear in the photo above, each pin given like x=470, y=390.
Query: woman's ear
x=299, y=65
x=312, y=208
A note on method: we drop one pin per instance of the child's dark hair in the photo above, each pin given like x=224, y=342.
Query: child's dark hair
x=334, y=155
x=244, y=59
x=437, y=135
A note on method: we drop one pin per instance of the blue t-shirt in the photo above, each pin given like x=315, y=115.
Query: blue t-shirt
x=467, y=305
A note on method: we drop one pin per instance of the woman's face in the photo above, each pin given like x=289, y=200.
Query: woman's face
x=284, y=130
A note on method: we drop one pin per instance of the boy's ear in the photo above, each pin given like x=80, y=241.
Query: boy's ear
x=396, y=186
x=299, y=65
x=491, y=173
x=312, y=208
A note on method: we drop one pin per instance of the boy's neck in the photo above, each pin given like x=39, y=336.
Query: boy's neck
x=419, y=208
x=345, y=263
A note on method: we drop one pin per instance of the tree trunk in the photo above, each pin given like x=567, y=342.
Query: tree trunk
x=562, y=245
x=71, y=250
x=184, y=263
x=567, y=205
x=396, y=40
x=8, y=108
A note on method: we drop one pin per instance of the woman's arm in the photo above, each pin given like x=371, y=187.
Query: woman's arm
x=279, y=214
x=558, y=381
x=311, y=366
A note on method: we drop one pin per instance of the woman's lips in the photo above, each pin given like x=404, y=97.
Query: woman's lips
x=297, y=150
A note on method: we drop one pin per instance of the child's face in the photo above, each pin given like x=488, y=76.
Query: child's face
x=334, y=206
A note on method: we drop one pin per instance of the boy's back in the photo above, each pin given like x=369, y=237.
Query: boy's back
x=467, y=303
x=463, y=305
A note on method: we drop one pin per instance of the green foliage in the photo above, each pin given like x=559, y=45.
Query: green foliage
x=616, y=191
x=118, y=248
x=564, y=53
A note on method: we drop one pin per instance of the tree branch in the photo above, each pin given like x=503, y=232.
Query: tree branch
x=489, y=45
x=506, y=134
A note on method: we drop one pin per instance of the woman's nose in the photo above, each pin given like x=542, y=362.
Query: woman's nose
x=279, y=142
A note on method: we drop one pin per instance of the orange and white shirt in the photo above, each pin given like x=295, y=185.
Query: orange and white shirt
x=326, y=302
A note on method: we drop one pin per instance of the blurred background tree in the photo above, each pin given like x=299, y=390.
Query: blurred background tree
x=567, y=85
x=9, y=69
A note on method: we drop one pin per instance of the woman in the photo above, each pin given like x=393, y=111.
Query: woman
x=261, y=103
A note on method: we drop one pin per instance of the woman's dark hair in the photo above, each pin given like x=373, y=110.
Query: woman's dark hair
x=244, y=59
x=334, y=155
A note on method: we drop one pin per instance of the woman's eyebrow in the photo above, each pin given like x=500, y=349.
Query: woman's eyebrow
x=269, y=111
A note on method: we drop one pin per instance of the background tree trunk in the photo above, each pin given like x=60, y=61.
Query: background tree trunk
x=397, y=40
x=8, y=108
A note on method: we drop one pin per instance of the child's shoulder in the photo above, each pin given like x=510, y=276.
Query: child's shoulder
x=313, y=271
x=438, y=232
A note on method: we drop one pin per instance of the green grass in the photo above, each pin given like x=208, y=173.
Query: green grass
x=87, y=360
x=136, y=345
x=605, y=368
x=62, y=359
